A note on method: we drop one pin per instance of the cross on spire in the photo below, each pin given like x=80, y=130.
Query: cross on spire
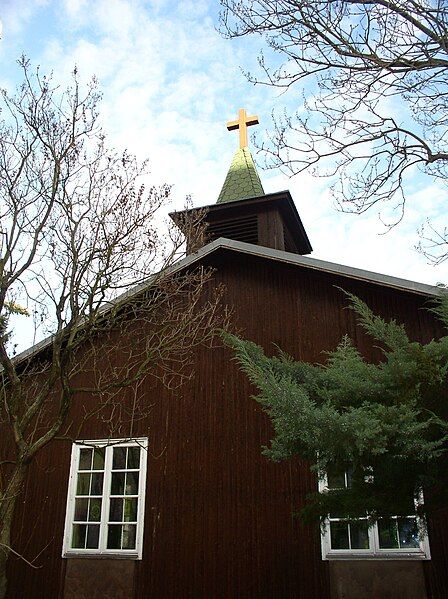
x=242, y=124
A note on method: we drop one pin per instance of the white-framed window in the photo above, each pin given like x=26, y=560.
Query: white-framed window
x=106, y=496
x=389, y=538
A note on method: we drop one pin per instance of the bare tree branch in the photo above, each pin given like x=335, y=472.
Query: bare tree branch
x=357, y=61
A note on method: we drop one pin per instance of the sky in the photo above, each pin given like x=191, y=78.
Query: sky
x=170, y=83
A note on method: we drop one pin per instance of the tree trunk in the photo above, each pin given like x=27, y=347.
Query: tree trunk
x=10, y=496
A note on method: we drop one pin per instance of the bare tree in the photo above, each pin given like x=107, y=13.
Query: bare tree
x=78, y=228
x=352, y=59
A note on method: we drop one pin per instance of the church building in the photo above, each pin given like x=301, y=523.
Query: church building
x=189, y=508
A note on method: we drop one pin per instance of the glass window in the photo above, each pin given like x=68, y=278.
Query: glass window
x=391, y=537
x=106, y=496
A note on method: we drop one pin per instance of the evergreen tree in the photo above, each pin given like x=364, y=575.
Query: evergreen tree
x=386, y=423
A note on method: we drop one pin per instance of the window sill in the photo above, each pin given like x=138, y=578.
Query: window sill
x=133, y=556
x=387, y=555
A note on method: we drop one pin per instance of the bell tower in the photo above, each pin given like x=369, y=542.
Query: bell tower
x=244, y=212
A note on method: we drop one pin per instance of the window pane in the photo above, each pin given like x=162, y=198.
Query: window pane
x=338, y=514
x=116, y=510
x=95, y=510
x=336, y=480
x=97, y=483
x=339, y=535
x=117, y=486
x=79, y=536
x=131, y=483
x=98, y=458
x=85, y=459
x=133, y=457
x=129, y=536
x=114, y=537
x=119, y=460
x=93, y=534
x=130, y=510
x=359, y=535
x=83, y=486
x=81, y=506
x=349, y=477
x=387, y=533
x=408, y=533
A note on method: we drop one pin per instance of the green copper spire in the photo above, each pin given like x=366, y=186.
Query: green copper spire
x=242, y=180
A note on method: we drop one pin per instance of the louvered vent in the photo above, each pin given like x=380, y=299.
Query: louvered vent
x=243, y=228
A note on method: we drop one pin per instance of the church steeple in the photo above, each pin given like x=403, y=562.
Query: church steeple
x=242, y=180
x=244, y=212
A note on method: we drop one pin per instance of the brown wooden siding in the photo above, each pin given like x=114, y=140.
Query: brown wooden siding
x=270, y=229
x=219, y=517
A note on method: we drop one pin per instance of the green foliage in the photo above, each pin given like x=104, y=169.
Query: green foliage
x=389, y=418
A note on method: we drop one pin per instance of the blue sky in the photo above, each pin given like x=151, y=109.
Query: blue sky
x=170, y=82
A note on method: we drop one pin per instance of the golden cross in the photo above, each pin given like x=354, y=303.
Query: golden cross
x=242, y=124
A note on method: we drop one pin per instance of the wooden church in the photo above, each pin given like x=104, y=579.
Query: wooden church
x=189, y=508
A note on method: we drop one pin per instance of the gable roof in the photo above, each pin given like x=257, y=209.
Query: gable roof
x=239, y=247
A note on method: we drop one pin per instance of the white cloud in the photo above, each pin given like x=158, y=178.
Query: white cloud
x=16, y=14
x=73, y=7
x=170, y=84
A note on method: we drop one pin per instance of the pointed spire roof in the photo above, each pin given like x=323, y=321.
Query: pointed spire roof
x=242, y=180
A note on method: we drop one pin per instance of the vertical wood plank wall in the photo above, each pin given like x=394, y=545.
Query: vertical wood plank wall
x=219, y=517
x=270, y=229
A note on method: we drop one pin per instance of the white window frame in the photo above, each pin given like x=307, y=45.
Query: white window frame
x=102, y=551
x=374, y=551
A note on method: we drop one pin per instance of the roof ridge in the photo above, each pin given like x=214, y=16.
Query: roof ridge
x=253, y=174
